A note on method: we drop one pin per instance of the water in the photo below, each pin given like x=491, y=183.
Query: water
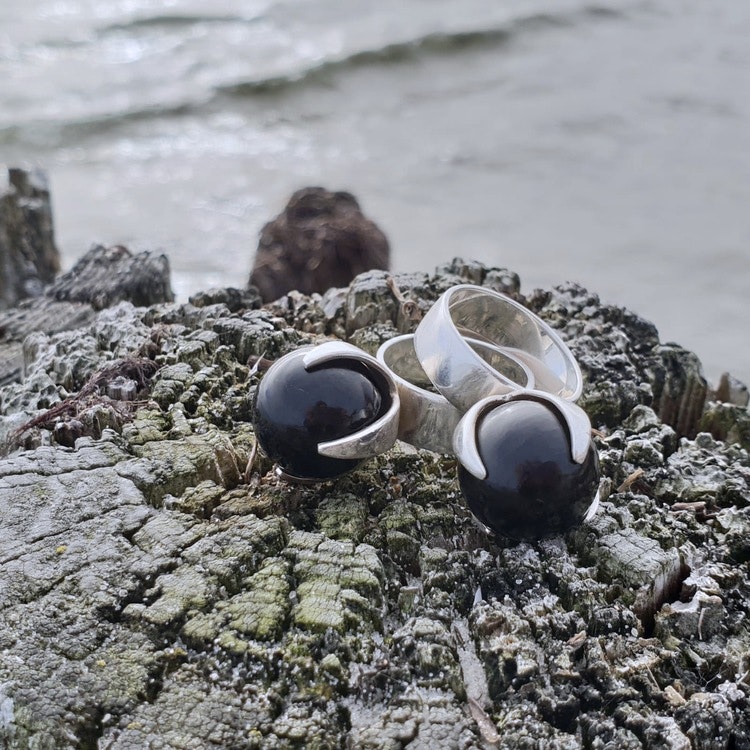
x=605, y=142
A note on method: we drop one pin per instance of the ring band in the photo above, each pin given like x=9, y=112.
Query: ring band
x=463, y=376
x=428, y=419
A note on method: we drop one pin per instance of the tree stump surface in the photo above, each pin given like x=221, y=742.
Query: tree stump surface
x=103, y=277
x=161, y=587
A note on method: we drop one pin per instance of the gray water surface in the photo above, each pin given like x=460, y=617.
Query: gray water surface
x=606, y=142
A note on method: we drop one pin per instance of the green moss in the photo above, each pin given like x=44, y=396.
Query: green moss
x=124, y=670
x=342, y=517
x=403, y=549
x=399, y=515
x=169, y=467
x=203, y=627
x=260, y=611
x=147, y=425
x=197, y=352
x=200, y=500
x=319, y=608
x=182, y=591
x=170, y=383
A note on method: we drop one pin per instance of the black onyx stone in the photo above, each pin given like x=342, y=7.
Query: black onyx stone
x=295, y=409
x=533, y=487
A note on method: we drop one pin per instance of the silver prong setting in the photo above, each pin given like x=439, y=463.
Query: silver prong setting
x=377, y=437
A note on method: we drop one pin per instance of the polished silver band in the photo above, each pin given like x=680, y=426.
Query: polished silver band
x=428, y=419
x=463, y=376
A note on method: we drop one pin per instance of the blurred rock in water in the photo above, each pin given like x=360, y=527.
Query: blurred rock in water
x=320, y=240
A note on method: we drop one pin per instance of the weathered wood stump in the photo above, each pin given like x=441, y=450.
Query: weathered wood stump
x=160, y=587
x=28, y=255
x=105, y=276
x=101, y=278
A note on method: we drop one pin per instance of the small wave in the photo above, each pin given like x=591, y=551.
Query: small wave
x=397, y=53
x=411, y=50
x=52, y=133
x=96, y=124
x=390, y=54
x=84, y=38
x=173, y=21
x=601, y=11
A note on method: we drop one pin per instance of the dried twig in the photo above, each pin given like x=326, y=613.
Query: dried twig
x=138, y=369
x=409, y=308
x=631, y=480
x=702, y=513
x=486, y=726
x=258, y=363
x=577, y=640
x=250, y=463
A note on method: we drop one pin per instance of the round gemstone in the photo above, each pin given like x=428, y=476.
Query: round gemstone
x=295, y=409
x=533, y=486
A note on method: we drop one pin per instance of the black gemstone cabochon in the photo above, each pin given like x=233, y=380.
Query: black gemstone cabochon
x=533, y=487
x=295, y=409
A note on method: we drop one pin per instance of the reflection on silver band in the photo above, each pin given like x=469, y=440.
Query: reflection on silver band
x=428, y=419
x=463, y=376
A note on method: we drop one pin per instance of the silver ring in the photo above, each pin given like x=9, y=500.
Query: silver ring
x=527, y=464
x=427, y=418
x=576, y=421
x=378, y=436
x=320, y=410
x=463, y=377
